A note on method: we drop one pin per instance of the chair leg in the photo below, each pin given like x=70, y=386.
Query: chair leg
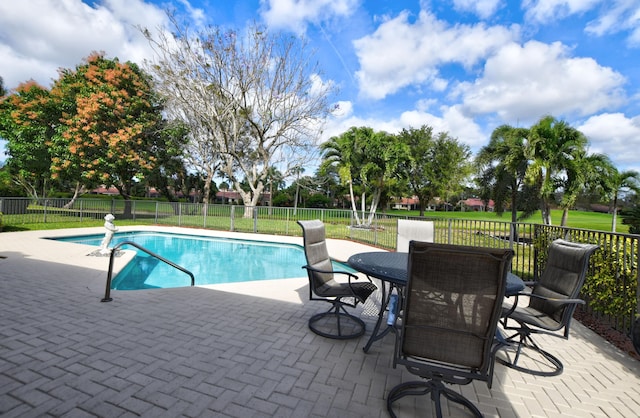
x=436, y=389
x=527, y=342
x=342, y=319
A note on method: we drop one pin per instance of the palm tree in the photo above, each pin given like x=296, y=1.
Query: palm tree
x=346, y=154
x=502, y=165
x=365, y=158
x=581, y=172
x=620, y=182
x=554, y=145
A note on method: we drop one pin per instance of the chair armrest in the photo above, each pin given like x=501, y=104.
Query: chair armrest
x=350, y=275
x=558, y=301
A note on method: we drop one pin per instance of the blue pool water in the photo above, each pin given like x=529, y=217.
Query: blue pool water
x=211, y=260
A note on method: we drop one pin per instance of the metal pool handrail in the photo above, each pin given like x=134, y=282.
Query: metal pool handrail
x=107, y=293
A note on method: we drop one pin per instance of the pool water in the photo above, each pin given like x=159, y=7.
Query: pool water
x=211, y=260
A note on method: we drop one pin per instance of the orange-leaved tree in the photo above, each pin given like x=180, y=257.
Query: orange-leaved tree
x=110, y=125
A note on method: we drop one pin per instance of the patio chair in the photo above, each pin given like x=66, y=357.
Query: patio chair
x=552, y=302
x=409, y=229
x=449, y=320
x=337, y=322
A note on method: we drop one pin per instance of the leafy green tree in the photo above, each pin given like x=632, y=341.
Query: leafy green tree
x=170, y=175
x=7, y=186
x=345, y=153
x=553, y=146
x=28, y=123
x=581, y=172
x=437, y=164
x=367, y=159
x=502, y=165
x=631, y=217
x=616, y=183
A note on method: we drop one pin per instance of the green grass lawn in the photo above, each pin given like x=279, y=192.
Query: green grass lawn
x=577, y=219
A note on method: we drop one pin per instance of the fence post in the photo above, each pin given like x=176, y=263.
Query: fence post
x=449, y=232
x=233, y=210
x=287, y=222
x=45, y=209
x=156, y=215
x=512, y=234
x=205, y=208
x=255, y=219
x=179, y=213
x=375, y=230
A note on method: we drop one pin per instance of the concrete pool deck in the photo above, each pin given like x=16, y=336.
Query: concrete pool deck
x=235, y=350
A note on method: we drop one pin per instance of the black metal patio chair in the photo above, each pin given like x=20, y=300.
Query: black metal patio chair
x=552, y=301
x=449, y=319
x=337, y=322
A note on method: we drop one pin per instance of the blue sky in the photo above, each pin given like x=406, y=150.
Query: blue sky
x=461, y=66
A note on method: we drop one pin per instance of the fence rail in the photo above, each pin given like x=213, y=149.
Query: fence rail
x=610, y=291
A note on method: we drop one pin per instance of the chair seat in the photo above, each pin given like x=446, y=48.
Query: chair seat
x=335, y=289
x=533, y=317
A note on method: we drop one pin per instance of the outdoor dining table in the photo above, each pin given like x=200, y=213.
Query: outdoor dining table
x=391, y=269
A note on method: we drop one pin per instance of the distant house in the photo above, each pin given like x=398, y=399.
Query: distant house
x=411, y=203
x=407, y=203
x=110, y=191
x=476, y=205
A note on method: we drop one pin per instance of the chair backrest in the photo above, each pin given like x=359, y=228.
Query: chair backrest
x=453, y=301
x=562, y=278
x=316, y=253
x=413, y=230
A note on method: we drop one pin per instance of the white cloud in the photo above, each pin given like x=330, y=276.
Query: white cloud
x=482, y=8
x=620, y=15
x=39, y=36
x=451, y=120
x=542, y=11
x=521, y=83
x=616, y=135
x=296, y=14
x=400, y=53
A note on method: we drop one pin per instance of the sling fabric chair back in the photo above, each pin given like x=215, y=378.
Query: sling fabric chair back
x=451, y=308
x=552, y=302
x=337, y=322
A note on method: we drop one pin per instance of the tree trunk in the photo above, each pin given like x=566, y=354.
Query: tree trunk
x=374, y=205
x=514, y=205
x=565, y=216
x=545, y=210
x=207, y=186
x=353, y=204
x=76, y=192
x=614, y=219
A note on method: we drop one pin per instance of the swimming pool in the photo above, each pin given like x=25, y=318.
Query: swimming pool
x=212, y=260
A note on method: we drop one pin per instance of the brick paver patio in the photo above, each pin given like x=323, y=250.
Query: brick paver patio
x=236, y=351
